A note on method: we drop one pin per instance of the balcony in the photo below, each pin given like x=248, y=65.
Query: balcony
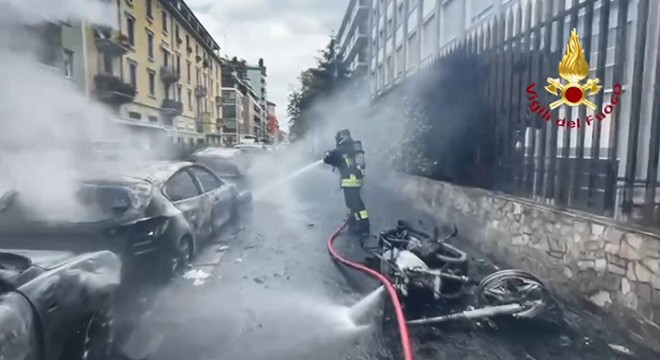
x=171, y=107
x=169, y=75
x=111, y=42
x=112, y=90
x=200, y=91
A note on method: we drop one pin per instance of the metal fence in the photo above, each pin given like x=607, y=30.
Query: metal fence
x=608, y=165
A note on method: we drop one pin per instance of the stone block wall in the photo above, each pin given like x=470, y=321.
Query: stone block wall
x=578, y=255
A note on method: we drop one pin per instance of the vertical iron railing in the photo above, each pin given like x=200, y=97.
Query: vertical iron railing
x=523, y=46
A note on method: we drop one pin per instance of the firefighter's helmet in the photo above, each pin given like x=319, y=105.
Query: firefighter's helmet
x=342, y=135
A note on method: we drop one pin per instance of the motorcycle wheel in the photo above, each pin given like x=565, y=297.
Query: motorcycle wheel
x=513, y=286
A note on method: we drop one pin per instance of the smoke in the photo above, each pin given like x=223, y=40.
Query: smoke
x=46, y=124
x=34, y=12
x=434, y=120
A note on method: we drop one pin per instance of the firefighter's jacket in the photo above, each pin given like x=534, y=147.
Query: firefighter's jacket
x=343, y=157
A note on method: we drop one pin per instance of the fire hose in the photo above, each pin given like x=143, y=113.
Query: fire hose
x=406, y=343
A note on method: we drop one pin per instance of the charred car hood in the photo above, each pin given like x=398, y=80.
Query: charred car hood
x=135, y=196
x=45, y=259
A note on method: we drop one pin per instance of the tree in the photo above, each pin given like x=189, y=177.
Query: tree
x=327, y=78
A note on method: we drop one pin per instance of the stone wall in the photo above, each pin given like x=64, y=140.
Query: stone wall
x=578, y=255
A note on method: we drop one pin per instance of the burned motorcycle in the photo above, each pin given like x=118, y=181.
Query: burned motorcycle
x=424, y=267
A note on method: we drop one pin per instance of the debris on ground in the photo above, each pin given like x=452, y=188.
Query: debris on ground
x=310, y=225
x=198, y=275
x=222, y=248
x=248, y=247
x=259, y=280
x=620, y=349
x=239, y=260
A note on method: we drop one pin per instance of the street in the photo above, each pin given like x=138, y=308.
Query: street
x=267, y=289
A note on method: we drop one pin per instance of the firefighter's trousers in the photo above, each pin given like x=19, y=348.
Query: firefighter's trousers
x=359, y=221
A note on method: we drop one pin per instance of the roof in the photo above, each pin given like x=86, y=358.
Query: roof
x=158, y=171
x=218, y=151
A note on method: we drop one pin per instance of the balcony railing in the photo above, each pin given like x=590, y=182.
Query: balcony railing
x=169, y=75
x=111, y=89
x=200, y=91
x=171, y=107
x=110, y=41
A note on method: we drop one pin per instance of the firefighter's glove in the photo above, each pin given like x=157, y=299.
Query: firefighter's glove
x=327, y=157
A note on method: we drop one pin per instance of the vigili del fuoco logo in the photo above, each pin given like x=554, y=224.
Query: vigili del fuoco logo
x=573, y=69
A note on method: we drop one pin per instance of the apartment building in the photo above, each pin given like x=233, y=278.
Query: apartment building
x=160, y=67
x=253, y=113
x=257, y=76
x=404, y=34
x=273, y=123
x=353, y=38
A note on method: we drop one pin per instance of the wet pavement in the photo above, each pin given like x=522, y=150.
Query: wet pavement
x=267, y=289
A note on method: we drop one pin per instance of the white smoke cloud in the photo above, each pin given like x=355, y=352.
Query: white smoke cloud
x=45, y=122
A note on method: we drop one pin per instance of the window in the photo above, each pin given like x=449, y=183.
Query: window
x=198, y=77
x=135, y=115
x=132, y=73
x=166, y=58
x=179, y=94
x=188, y=71
x=149, y=9
x=181, y=186
x=68, y=63
x=150, y=44
x=176, y=34
x=178, y=64
x=164, y=21
x=208, y=181
x=107, y=63
x=153, y=118
x=187, y=41
x=152, y=82
x=189, y=99
x=130, y=30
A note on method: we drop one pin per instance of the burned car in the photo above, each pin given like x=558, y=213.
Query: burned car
x=229, y=162
x=153, y=218
x=56, y=305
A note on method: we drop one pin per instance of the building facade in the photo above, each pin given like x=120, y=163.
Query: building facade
x=160, y=67
x=257, y=77
x=273, y=123
x=404, y=34
x=253, y=117
x=353, y=38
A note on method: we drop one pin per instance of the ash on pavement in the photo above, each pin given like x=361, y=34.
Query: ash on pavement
x=272, y=292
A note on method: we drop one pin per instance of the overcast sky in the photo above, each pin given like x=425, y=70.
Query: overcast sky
x=287, y=34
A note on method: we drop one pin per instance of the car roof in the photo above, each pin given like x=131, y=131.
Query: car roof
x=158, y=171
x=218, y=151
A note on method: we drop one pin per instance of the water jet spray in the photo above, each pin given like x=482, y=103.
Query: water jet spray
x=260, y=192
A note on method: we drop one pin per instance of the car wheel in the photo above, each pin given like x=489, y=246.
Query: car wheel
x=93, y=340
x=182, y=258
x=233, y=212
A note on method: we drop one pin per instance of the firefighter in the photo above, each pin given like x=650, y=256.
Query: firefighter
x=348, y=157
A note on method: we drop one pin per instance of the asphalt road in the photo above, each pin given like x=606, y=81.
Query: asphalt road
x=271, y=292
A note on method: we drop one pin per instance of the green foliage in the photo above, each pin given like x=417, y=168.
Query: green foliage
x=328, y=77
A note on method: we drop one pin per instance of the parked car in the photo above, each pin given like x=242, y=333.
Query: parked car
x=224, y=161
x=156, y=216
x=55, y=305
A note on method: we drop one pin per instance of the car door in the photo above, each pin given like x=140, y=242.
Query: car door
x=218, y=194
x=183, y=191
